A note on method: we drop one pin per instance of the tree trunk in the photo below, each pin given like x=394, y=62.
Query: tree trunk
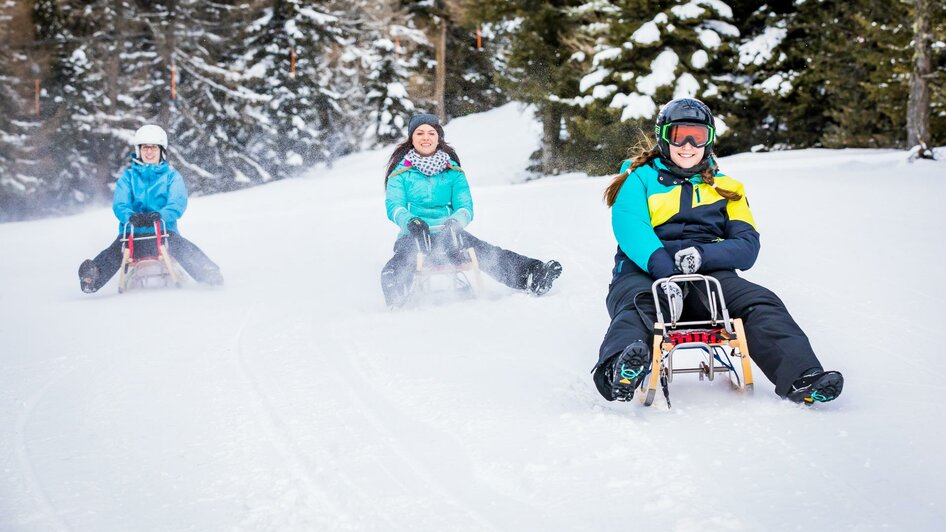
x=440, y=84
x=112, y=90
x=167, y=60
x=918, y=105
x=551, y=139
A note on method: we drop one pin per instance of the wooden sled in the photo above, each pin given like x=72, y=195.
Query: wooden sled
x=720, y=340
x=147, y=271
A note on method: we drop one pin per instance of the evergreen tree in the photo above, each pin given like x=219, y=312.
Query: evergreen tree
x=470, y=77
x=209, y=136
x=62, y=144
x=471, y=85
x=938, y=78
x=539, y=66
x=823, y=73
x=385, y=63
x=15, y=188
x=644, y=53
x=300, y=118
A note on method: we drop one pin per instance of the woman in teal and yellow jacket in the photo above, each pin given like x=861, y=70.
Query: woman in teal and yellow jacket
x=427, y=195
x=149, y=191
x=672, y=212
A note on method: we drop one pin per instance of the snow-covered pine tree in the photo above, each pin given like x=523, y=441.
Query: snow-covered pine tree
x=938, y=81
x=61, y=143
x=302, y=121
x=15, y=187
x=644, y=54
x=196, y=44
x=384, y=49
x=539, y=70
x=472, y=85
x=819, y=73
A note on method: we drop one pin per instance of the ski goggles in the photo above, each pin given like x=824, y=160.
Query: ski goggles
x=678, y=134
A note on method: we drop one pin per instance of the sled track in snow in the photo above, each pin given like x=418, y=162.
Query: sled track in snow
x=355, y=413
x=278, y=435
x=35, y=485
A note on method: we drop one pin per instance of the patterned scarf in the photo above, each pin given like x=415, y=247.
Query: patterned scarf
x=430, y=165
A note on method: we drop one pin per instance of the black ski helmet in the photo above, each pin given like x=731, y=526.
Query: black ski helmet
x=684, y=110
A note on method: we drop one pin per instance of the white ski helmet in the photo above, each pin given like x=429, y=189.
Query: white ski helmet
x=150, y=134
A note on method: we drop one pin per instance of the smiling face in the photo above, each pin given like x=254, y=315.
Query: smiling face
x=150, y=153
x=686, y=156
x=425, y=140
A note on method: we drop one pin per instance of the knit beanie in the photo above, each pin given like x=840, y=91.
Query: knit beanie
x=418, y=120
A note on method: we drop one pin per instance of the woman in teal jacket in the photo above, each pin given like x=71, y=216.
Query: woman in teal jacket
x=672, y=212
x=148, y=191
x=428, y=197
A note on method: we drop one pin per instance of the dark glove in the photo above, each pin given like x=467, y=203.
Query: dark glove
x=141, y=219
x=453, y=234
x=420, y=231
x=144, y=219
x=688, y=260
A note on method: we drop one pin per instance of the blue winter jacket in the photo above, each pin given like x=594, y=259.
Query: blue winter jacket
x=658, y=213
x=150, y=188
x=411, y=194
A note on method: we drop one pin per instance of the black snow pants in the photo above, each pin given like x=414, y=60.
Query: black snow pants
x=776, y=343
x=507, y=267
x=187, y=254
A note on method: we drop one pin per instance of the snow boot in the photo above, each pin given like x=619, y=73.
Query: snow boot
x=816, y=387
x=541, y=276
x=628, y=370
x=88, y=275
x=212, y=276
x=395, y=293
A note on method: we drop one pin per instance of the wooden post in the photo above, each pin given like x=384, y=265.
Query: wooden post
x=36, y=97
x=173, y=81
x=397, y=45
x=479, y=38
x=440, y=75
x=292, y=63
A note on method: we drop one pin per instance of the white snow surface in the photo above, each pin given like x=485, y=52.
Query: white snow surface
x=291, y=399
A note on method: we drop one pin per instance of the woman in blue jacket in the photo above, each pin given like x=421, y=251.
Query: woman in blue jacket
x=672, y=212
x=149, y=190
x=428, y=197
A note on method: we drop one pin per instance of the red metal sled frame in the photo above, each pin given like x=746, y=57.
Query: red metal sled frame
x=128, y=253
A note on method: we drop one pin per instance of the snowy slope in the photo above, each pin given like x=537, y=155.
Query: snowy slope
x=290, y=399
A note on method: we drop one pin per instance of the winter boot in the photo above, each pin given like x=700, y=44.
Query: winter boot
x=816, y=387
x=88, y=275
x=395, y=293
x=628, y=370
x=212, y=276
x=541, y=276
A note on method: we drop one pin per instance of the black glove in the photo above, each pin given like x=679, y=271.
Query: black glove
x=141, y=219
x=144, y=219
x=420, y=231
x=453, y=234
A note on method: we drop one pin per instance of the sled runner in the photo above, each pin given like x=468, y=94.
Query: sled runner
x=720, y=340
x=151, y=265
x=442, y=275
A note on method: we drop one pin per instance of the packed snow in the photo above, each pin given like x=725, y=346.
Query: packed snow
x=292, y=399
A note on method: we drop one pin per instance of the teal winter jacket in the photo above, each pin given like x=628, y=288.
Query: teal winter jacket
x=411, y=194
x=150, y=188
